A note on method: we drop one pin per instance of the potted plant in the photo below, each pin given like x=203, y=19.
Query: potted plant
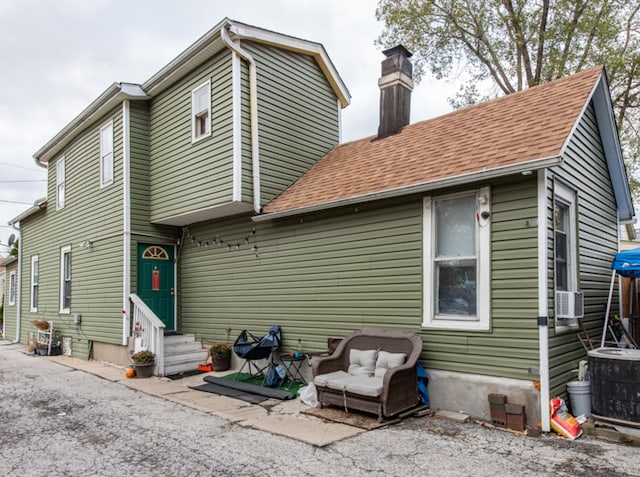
x=143, y=362
x=220, y=356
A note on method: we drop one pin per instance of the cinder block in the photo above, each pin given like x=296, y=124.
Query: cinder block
x=498, y=415
x=497, y=399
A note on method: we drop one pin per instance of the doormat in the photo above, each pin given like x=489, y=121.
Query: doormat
x=355, y=419
x=230, y=392
x=183, y=374
x=251, y=388
x=290, y=386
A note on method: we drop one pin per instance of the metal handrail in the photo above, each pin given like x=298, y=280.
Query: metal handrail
x=148, y=331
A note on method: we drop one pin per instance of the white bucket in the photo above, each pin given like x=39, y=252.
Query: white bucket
x=580, y=397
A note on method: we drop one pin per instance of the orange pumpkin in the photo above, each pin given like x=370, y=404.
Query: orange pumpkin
x=130, y=373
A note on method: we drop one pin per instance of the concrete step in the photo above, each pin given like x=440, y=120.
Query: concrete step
x=179, y=339
x=183, y=348
x=199, y=356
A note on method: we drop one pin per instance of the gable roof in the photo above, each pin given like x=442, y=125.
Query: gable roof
x=205, y=47
x=519, y=132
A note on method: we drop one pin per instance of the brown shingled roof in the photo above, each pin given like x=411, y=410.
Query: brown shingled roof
x=515, y=129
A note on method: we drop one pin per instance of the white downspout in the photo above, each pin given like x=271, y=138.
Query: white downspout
x=253, y=104
x=543, y=301
x=126, y=235
x=18, y=286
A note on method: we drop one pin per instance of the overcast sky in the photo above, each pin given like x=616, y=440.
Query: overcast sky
x=57, y=56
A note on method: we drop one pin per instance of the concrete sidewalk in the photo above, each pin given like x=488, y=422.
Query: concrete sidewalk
x=283, y=418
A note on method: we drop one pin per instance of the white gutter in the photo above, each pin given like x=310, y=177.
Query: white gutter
x=126, y=226
x=417, y=188
x=253, y=103
x=543, y=301
x=18, y=286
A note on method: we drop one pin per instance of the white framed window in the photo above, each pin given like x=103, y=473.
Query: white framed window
x=13, y=287
x=457, y=260
x=106, y=154
x=564, y=233
x=201, y=112
x=565, y=259
x=60, y=184
x=35, y=280
x=65, y=279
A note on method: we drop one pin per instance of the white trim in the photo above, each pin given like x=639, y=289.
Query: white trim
x=236, y=96
x=126, y=218
x=206, y=86
x=13, y=287
x=63, y=251
x=107, y=127
x=339, y=122
x=34, y=307
x=482, y=320
x=175, y=287
x=61, y=180
x=543, y=298
x=569, y=198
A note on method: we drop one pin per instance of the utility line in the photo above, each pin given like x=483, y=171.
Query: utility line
x=19, y=167
x=15, y=182
x=15, y=202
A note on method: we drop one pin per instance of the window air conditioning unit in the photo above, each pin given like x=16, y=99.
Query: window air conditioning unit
x=569, y=305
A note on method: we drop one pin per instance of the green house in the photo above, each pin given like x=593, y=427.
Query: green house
x=217, y=197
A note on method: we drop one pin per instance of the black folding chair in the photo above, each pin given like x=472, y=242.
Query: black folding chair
x=252, y=349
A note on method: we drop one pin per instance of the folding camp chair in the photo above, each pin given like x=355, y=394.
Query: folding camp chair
x=253, y=349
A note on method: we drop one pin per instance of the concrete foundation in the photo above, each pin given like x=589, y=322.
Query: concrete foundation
x=110, y=353
x=469, y=393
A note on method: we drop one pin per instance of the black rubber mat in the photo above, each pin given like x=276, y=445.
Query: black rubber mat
x=250, y=388
x=230, y=392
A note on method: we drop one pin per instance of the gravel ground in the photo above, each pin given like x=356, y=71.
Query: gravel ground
x=57, y=421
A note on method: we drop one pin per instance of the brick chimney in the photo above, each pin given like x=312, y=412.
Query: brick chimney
x=396, y=84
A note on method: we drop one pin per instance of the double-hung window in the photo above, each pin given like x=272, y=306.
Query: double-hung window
x=457, y=261
x=13, y=287
x=65, y=279
x=565, y=253
x=106, y=155
x=35, y=279
x=60, y=183
x=201, y=112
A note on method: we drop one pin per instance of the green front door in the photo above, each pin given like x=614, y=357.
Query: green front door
x=156, y=281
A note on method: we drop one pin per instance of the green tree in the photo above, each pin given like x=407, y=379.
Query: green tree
x=521, y=43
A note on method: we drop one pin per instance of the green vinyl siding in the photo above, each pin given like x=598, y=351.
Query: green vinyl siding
x=510, y=348
x=90, y=214
x=325, y=275
x=185, y=176
x=585, y=170
x=298, y=118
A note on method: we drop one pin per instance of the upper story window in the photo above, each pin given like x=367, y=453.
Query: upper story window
x=35, y=279
x=457, y=258
x=201, y=112
x=60, y=184
x=106, y=155
x=13, y=287
x=65, y=279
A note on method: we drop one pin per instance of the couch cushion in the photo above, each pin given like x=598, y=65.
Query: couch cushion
x=321, y=379
x=386, y=361
x=360, y=384
x=362, y=362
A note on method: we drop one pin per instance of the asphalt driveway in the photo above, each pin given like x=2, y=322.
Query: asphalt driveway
x=59, y=421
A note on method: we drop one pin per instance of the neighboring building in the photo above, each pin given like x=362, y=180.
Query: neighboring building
x=216, y=193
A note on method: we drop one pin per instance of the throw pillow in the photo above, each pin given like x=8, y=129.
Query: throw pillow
x=362, y=362
x=386, y=361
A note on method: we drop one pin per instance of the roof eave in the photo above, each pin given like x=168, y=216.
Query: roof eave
x=611, y=144
x=37, y=205
x=8, y=260
x=112, y=96
x=452, y=181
